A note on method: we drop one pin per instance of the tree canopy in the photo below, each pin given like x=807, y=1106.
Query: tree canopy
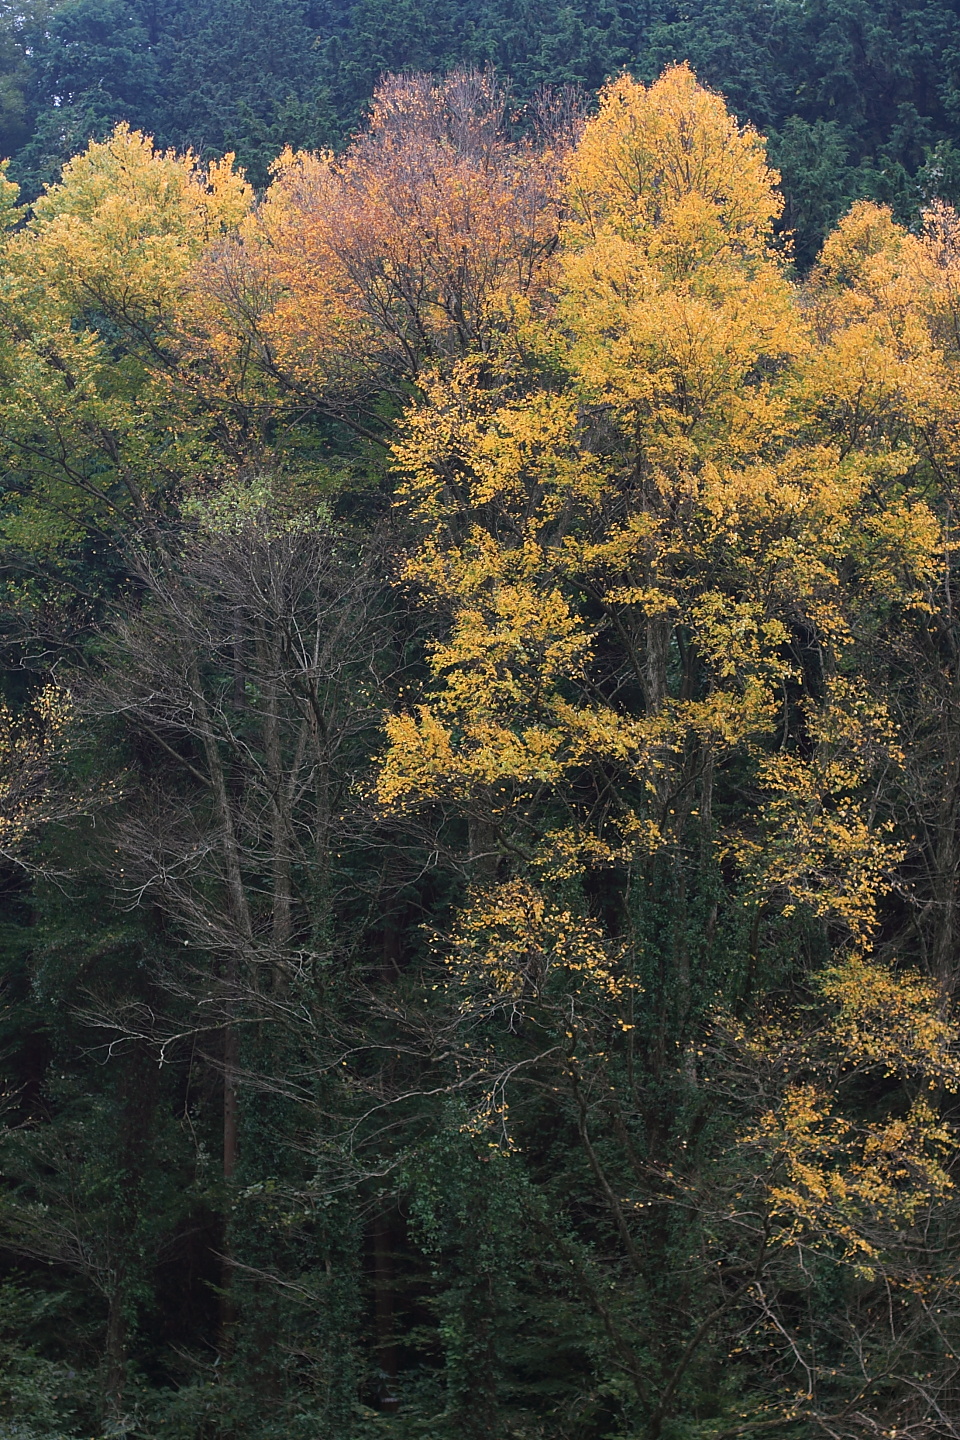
x=859, y=101
x=479, y=763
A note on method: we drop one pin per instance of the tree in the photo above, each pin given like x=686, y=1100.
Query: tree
x=412, y=249
x=656, y=556
x=93, y=430
x=249, y=680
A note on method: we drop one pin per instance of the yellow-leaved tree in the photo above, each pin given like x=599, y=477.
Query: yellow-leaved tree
x=98, y=417
x=658, y=526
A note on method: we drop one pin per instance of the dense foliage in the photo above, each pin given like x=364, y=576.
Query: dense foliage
x=859, y=98
x=479, y=775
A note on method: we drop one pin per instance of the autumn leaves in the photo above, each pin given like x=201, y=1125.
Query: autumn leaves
x=649, y=524
x=676, y=523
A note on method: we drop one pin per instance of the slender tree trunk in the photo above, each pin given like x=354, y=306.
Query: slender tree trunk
x=115, y=1352
x=231, y=1059
x=659, y=631
x=242, y=928
x=269, y=659
x=946, y=858
x=383, y=1289
x=484, y=859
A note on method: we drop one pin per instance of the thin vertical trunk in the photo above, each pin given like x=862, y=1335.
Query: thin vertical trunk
x=115, y=1351
x=231, y=1061
x=239, y=914
x=138, y=1087
x=483, y=858
x=390, y=948
x=383, y=1286
x=277, y=778
x=659, y=631
x=946, y=858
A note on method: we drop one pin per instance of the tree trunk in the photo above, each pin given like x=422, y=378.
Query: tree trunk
x=383, y=1283
x=115, y=1353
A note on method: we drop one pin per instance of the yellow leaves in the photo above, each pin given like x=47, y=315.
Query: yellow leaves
x=125, y=222
x=676, y=353
x=844, y=1184
x=668, y=287
x=831, y=861
x=10, y=212
x=652, y=602
x=644, y=546
x=470, y=446
x=727, y=720
x=671, y=159
x=892, y=1020
x=863, y=246
x=99, y=287
x=510, y=939
x=498, y=714
x=737, y=637
x=885, y=306
x=517, y=953
x=817, y=844
x=166, y=192
x=624, y=840
x=420, y=757
x=902, y=550
x=28, y=747
x=833, y=1180
x=514, y=647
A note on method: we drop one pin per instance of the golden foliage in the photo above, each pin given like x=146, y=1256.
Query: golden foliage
x=844, y=1184
x=125, y=222
x=655, y=550
x=660, y=497
x=832, y=1178
x=677, y=496
x=29, y=746
x=408, y=249
x=510, y=939
x=670, y=167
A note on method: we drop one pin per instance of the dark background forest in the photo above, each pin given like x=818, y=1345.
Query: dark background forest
x=300, y=1141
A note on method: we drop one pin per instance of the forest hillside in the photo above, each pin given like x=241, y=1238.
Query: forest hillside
x=480, y=731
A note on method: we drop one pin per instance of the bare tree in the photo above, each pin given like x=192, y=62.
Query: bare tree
x=249, y=683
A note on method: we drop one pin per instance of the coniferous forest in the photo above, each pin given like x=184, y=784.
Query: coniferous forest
x=480, y=722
